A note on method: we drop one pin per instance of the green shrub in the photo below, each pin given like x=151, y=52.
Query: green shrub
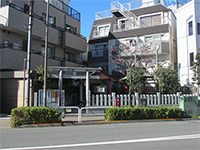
x=34, y=115
x=131, y=113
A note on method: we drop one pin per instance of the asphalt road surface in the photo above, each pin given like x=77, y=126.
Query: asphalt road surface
x=184, y=135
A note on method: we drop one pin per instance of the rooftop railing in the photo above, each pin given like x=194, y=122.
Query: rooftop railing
x=103, y=14
x=117, y=6
x=124, y=7
x=129, y=25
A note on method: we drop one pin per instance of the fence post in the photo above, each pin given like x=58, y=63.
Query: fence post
x=121, y=100
x=136, y=97
x=165, y=99
x=162, y=96
x=155, y=99
x=133, y=100
x=158, y=95
x=92, y=100
x=147, y=100
x=125, y=100
x=169, y=99
x=105, y=100
x=97, y=100
x=113, y=99
x=109, y=99
x=101, y=99
x=79, y=115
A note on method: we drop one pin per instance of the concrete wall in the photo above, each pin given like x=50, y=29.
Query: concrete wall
x=187, y=44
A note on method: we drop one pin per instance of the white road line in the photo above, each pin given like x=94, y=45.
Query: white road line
x=180, y=137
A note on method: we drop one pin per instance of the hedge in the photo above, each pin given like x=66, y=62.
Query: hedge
x=131, y=113
x=34, y=115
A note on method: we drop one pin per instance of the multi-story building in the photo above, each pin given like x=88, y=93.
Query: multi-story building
x=188, y=37
x=65, y=43
x=141, y=22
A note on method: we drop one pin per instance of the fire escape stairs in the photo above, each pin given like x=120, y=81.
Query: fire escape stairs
x=119, y=10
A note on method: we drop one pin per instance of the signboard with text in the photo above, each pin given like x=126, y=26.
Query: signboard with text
x=52, y=98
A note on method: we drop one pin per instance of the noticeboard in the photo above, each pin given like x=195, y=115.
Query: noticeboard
x=52, y=98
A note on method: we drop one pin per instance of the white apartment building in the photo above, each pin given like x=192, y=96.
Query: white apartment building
x=188, y=37
x=144, y=22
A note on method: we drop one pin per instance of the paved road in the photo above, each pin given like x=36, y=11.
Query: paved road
x=145, y=135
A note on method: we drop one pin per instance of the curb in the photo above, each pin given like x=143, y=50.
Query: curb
x=75, y=123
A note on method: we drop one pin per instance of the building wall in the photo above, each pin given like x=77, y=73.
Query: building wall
x=167, y=28
x=187, y=43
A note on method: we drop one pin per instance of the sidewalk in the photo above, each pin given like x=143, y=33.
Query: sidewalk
x=4, y=121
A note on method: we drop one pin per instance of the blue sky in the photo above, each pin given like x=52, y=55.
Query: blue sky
x=88, y=8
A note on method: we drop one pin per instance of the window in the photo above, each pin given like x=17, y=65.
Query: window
x=52, y=20
x=153, y=38
x=15, y=46
x=50, y=51
x=71, y=29
x=198, y=28
x=145, y=21
x=150, y=20
x=99, y=49
x=69, y=57
x=24, y=45
x=190, y=28
x=156, y=19
x=104, y=30
x=148, y=39
x=191, y=59
x=26, y=8
x=5, y=43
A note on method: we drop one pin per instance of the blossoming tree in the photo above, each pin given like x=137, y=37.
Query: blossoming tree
x=134, y=61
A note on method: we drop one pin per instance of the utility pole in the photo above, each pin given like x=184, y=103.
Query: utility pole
x=27, y=98
x=45, y=56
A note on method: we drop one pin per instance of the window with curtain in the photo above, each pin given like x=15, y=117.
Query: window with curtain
x=150, y=20
x=156, y=19
x=145, y=21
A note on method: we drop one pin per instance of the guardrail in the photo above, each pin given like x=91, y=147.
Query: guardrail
x=80, y=110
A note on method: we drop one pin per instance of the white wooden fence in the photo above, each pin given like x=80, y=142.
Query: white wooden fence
x=152, y=99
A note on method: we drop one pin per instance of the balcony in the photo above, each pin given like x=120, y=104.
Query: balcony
x=160, y=45
x=14, y=55
x=130, y=25
x=13, y=17
x=98, y=55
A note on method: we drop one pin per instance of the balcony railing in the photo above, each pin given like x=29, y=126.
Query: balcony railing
x=140, y=24
x=37, y=52
x=66, y=9
x=97, y=33
x=2, y=18
x=98, y=55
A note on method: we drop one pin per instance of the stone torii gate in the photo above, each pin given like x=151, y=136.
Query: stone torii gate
x=75, y=73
